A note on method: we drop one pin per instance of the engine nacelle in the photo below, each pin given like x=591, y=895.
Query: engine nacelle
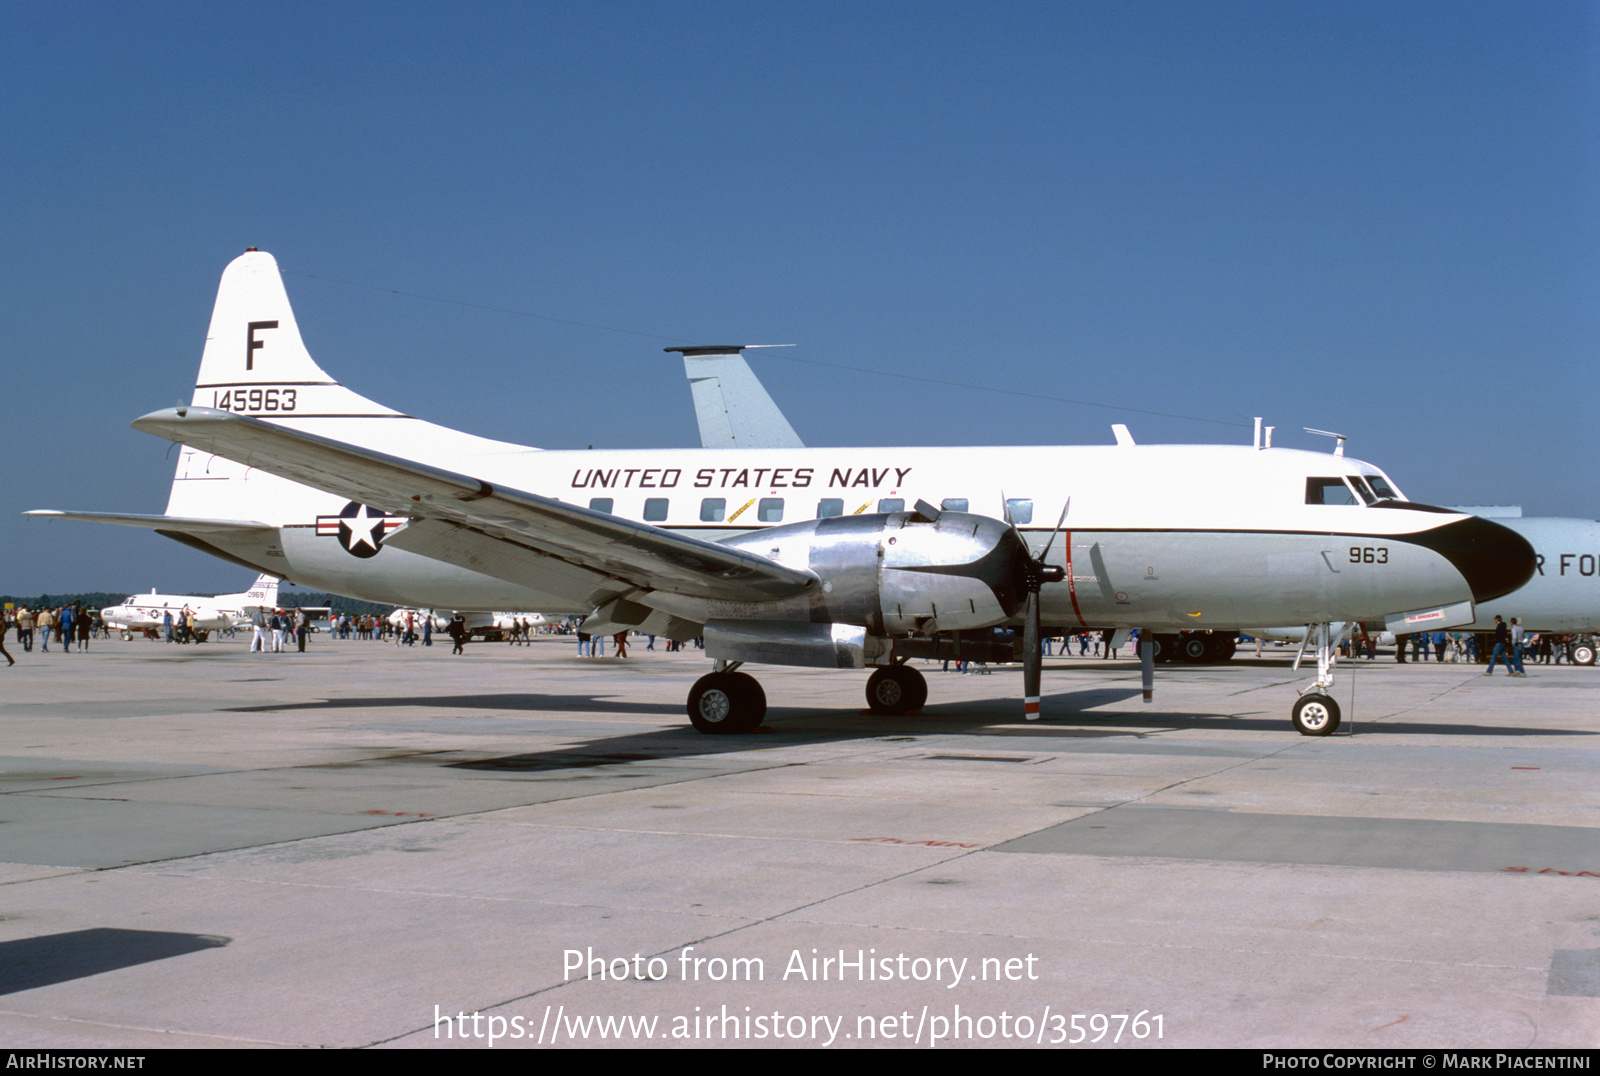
x=898, y=573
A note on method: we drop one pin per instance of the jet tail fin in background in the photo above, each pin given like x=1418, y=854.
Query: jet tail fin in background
x=730, y=403
x=263, y=593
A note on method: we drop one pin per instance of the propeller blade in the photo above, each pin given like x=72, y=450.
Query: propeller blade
x=1044, y=554
x=1032, y=657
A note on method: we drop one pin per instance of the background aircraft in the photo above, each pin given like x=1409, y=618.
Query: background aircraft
x=147, y=612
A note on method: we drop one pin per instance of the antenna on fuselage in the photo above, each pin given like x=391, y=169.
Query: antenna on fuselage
x=1339, y=438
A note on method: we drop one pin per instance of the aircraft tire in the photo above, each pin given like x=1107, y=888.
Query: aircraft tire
x=1223, y=645
x=896, y=690
x=1315, y=715
x=1581, y=653
x=1166, y=647
x=727, y=703
x=1194, y=649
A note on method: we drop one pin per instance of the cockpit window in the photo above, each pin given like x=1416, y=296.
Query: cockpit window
x=1329, y=491
x=1363, y=490
x=1381, y=487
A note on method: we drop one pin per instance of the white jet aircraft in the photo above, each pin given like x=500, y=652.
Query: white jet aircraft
x=145, y=612
x=491, y=627
x=791, y=555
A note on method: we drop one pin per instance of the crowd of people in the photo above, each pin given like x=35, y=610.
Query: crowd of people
x=277, y=629
x=1509, y=644
x=64, y=625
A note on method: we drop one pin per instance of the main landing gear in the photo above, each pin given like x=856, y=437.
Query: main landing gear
x=1315, y=713
x=896, y=690
x=727, y=701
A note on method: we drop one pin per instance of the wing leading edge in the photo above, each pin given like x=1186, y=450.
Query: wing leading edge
x=466, y=521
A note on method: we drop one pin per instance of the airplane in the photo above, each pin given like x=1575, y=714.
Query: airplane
x=145, y=612
x=789, y=555
x=732, y=406
x=491, y=627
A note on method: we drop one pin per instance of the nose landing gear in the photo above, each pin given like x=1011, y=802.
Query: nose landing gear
x=1315, y=713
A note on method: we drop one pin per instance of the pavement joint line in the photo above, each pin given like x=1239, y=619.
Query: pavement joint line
x=1468, y=678
x=464, y=816
x=140, y=1027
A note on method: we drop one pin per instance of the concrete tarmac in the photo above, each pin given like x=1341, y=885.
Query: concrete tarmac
x=371, y=846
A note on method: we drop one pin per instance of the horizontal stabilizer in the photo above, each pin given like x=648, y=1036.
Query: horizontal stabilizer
x=180, y=524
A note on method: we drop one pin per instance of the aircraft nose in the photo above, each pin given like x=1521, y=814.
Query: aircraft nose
x=1494, y=560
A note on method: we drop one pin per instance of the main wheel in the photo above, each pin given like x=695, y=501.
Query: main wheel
x=1193, y=649
x=896, y=690
x=1165, y=646
x=1581, y=652
x=723, y=702
x=1223, y=646
x=1315, y=715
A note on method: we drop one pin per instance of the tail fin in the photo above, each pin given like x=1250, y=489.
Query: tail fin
x=263, y=593
x=256, y=364
x=730, y=403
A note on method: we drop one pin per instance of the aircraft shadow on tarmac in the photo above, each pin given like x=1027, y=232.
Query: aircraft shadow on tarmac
x=809, y=726
x=29, y=963
x=1067, y=717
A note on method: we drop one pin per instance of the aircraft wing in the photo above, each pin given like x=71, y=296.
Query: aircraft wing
x=467, y=521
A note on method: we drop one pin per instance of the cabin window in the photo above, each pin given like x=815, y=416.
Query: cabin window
x=1019, y=510
x=713, y=510
x=1329, y=491
x=601, y=504
x=655, y=509
x=829, y=507
x=892, y=504
x=770, y=510
x=953, y=504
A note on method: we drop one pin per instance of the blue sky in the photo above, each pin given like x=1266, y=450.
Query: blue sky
x=1375, y=218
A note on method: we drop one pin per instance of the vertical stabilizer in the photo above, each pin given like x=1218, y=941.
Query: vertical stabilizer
x=263, y=593
x=256, y=364
x=730, y=403
x=255, y=361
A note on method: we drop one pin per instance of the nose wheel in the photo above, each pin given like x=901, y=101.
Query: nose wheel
x=1315, y=715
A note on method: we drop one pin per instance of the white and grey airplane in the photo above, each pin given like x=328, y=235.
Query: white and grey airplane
x=792, y=555
x=146, y=612
x=491, y=627
x=732, y=407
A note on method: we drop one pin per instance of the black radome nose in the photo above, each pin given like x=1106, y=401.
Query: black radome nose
x=1494, y=560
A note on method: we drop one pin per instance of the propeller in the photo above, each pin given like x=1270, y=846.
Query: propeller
x=1035, y=573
